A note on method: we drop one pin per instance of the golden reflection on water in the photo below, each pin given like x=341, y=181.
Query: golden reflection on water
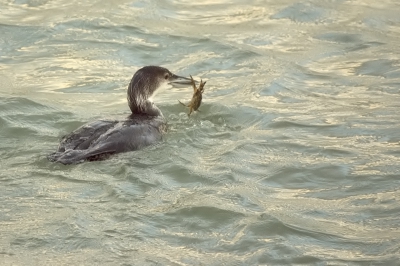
x=293, y=158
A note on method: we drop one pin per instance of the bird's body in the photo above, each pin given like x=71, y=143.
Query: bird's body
x=145, y=126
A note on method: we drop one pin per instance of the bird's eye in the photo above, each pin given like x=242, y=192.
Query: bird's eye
x=166, y=76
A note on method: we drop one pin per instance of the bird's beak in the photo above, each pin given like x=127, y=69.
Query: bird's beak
x=175, y=80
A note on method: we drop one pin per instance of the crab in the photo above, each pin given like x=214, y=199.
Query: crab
x=197, y=96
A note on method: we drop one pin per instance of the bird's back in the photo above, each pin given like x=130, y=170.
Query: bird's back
x=99, y=139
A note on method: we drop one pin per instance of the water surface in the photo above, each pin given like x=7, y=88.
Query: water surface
x=293, y=159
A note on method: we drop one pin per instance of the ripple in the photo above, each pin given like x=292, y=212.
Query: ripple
x=381, y=67
x=300, y=12
x=293, y=158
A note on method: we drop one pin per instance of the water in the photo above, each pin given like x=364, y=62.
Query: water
x=293, y=159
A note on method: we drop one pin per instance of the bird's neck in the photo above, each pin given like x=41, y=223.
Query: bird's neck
x=144, y=107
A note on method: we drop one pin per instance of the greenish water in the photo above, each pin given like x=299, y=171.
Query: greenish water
x=293, y=159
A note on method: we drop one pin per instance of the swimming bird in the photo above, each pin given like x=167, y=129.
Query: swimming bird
x=143, y=127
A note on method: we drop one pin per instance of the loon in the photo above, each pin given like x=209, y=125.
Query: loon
x=143, y=127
